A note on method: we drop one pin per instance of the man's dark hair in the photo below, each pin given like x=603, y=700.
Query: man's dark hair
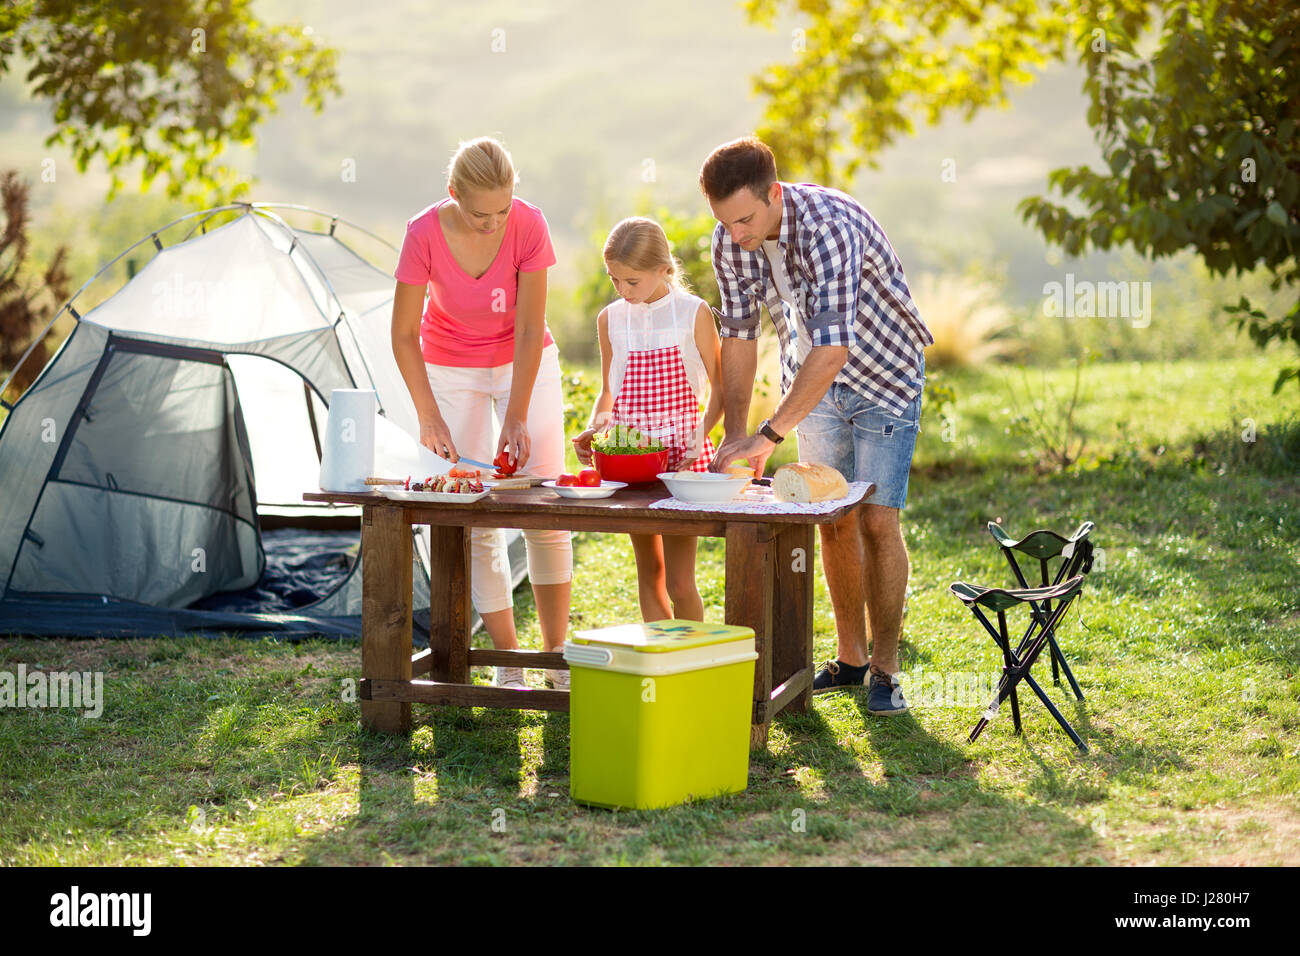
x=742, y=162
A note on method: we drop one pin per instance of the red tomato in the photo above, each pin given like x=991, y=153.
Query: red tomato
x=503, y=464
x=568, y=481
x=589, y=478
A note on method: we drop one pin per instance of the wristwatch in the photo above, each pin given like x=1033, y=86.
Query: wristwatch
x=769, y=433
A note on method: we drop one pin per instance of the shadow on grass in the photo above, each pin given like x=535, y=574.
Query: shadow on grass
x=894, y=792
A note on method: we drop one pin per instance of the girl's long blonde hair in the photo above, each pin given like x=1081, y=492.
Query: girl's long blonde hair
x=641, y=244
x=480, y=164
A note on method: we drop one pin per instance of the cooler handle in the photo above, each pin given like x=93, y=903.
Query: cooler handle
x=586, y=654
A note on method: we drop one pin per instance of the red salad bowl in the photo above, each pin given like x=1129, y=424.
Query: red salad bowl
x=633, y=469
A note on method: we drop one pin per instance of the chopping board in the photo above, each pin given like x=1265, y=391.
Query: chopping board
x=514, y=481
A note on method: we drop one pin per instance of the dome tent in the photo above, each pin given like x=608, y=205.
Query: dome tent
x=138, y=469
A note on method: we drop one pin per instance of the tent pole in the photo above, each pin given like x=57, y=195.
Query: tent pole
x=311, y=417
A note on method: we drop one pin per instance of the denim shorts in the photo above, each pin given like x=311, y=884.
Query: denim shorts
x=862, y=441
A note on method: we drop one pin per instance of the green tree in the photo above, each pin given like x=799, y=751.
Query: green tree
x=26, y=300
x=167, y=84
x=1195, y=105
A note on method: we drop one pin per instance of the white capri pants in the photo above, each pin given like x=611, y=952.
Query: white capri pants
x=472, y=402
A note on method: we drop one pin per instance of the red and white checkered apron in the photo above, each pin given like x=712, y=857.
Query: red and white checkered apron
x=656, y=397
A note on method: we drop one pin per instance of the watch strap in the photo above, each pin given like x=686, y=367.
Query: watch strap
x=768, y=432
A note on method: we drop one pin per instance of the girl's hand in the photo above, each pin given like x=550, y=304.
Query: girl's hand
x=582, y=446
x=515, y=435
x=435, y=436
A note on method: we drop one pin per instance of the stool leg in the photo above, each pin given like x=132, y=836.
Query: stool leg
x=1010, y=663
x=1065, y=725
x=1069, y=675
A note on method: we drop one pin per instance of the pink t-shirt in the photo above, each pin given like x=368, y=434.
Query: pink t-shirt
x=468, y=322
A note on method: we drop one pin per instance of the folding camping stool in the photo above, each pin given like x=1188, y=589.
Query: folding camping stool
x=1075, y=553
x=1018, y=661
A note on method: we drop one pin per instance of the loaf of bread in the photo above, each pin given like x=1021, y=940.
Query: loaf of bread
x=803, y=482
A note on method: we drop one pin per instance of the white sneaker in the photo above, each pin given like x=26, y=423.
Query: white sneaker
x=557, y=680
x=512, y=677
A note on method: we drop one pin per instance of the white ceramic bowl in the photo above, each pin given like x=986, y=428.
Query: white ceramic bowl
x=704, y=487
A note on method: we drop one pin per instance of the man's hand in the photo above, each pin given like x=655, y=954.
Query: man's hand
x=755, y=449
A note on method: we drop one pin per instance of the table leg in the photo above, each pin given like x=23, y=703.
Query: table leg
x=749, y=604
x=449, y=603
x=793, y=560
x=385, y=612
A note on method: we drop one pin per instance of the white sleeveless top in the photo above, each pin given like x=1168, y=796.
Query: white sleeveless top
x=656, y=325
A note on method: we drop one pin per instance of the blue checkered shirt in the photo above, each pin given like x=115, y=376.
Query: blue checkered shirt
x=848, y=288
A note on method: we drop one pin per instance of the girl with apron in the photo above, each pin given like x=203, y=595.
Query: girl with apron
x=659, y=354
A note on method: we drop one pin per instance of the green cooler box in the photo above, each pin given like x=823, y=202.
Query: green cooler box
x=659, y=712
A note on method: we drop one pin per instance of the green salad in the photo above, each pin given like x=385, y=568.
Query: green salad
x=625, y=440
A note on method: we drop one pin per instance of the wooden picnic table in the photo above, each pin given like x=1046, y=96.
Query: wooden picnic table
x=768, y=587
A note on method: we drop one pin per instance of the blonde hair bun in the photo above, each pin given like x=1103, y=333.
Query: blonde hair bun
x=481, y=164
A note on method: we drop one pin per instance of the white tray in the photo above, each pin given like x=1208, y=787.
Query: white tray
x=441, y=497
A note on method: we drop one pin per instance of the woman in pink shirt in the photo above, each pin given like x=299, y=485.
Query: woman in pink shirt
x=480, y=345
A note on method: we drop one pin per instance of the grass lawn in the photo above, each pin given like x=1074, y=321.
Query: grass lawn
x=1186, y=643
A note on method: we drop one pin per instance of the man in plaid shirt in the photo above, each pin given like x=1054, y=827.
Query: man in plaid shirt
x=852, y=373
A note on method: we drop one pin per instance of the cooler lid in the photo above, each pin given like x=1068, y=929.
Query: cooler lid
x=655, y=637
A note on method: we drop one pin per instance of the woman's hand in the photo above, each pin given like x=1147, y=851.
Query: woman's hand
x=515, y=435
x=435, y=436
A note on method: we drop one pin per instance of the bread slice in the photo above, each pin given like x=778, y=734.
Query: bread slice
x=805, y=482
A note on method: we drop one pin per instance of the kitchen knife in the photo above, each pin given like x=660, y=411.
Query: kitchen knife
x=477, y=464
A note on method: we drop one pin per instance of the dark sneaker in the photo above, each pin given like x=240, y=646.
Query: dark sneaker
x=837, y=674
x=885, y=695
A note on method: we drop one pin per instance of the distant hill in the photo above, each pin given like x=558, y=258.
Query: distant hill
x=589, y=97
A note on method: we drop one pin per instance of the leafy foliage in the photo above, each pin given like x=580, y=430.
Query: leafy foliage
x=1194, y=103
x=168, y=84
x=1049, y=422
x=1202, y=148
x=864, y=68
x=26, y=302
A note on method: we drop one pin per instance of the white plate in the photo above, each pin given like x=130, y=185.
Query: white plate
x=442, y=497
x=704, y=488
x=606, y=489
